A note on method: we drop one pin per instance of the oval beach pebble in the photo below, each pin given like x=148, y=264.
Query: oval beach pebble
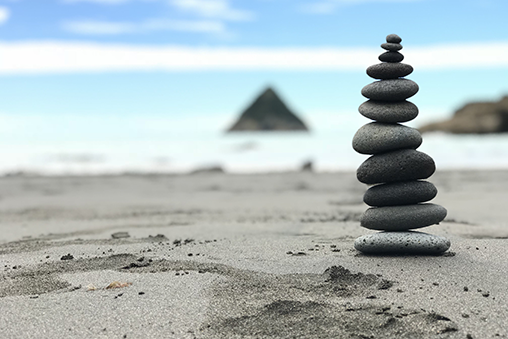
x=389, y=70
x=401, y=165
x=378, y=137
x=390, y=90
x=400, y=193
x=402, y=218
x=402, y=243
x=391, y=112
x=391, y=57
x=393, y=38
x=390, y=46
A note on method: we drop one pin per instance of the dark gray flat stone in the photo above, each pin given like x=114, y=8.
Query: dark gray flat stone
x=378, y=137
x=402, y=243
x=389, y=70
x=390, y=46
x=401, y=165
x=390, y=90
x=391, y=57
x=402, y=218
x=391, y=112
x=400, y=193
x=393, y=38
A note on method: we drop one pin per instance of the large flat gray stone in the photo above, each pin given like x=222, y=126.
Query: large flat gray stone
x=401, y=165
x=402, y=243
x=378, y=137
x=402, y=218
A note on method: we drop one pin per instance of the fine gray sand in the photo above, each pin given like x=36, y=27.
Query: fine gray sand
x=243, y=256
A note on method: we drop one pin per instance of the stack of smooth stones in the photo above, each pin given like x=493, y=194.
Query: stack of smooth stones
x=396, y=169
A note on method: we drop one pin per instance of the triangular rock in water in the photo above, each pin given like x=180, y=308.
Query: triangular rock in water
x=268, y=113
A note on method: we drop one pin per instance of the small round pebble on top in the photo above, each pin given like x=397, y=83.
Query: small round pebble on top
x=393, y=38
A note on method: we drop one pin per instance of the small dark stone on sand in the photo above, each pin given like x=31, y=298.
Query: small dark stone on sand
x=393, y=38
x=390, y=46
x=135, y=264
x=120, y=235
x=466, y=289
x=401, y=165
x=390, y=90
x=401, y=218
x=391, y=57
x=67, y=257
x=390, y=112
x=141, y=293
x=400, y=193
x=384, y=285
x=389, y=70
x=378, y=137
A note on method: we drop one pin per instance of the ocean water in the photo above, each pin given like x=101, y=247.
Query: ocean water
x=83, y=145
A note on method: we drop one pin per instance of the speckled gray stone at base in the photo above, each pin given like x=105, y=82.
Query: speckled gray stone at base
x=391, y=57
x=378, y=137
x=400, y=193
x=401, y=165
x=391, y=112
x=402, y=218
x=389, y=70
x=402, y=243
x=390, y=90
x=390, y=46
x=393, y=38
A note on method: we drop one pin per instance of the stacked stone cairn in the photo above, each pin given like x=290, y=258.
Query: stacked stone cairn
x=396, y=169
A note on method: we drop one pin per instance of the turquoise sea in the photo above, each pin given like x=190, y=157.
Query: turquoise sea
x=54, y=145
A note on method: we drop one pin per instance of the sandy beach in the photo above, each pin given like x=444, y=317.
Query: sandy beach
x=216, y=255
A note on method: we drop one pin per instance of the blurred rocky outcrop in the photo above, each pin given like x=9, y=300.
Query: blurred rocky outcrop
x=268, y=113
x=476, y=117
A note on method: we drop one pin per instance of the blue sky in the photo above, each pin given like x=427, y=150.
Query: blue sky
x=199, y=57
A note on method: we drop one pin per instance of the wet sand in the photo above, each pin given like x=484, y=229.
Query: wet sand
x=242, y=256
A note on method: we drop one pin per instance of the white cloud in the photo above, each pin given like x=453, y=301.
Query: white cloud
x=4, y=14
x=97, y=27
x=329, y=6
x=89, y=27
x=107, y=2
x=67, y=57
x=219, y=9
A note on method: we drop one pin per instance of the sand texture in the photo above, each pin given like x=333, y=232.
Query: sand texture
x=243, y=256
